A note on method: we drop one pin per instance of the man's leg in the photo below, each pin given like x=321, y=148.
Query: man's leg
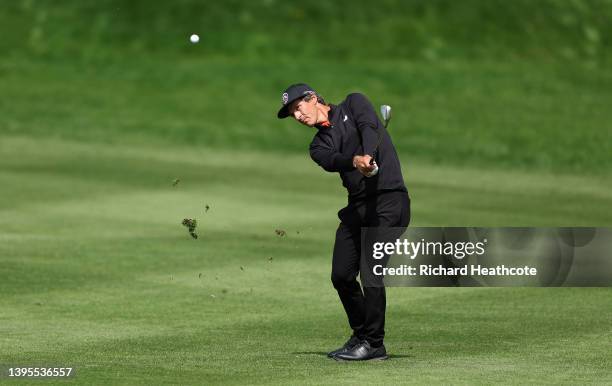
x=345, y=267
x=392, y=210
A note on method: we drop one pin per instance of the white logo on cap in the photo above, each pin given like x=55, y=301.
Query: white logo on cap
x=285, y=98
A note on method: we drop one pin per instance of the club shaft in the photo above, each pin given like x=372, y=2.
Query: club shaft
x=375, y=152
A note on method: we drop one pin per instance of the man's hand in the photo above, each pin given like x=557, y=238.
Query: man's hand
x=362, y=163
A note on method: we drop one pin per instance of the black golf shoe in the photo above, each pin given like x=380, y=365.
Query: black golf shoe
x=352, y=342
x=363, y=352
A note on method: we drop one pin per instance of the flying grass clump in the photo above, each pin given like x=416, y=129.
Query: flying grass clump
x=280, y=232
x=191, y=224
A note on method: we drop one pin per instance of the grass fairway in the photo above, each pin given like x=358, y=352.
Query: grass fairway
x=501, y=118
x=98, y=273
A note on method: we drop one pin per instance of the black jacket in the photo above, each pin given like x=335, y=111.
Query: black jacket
x=354, y=130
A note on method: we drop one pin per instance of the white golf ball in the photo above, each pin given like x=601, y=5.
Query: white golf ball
x=194, y=38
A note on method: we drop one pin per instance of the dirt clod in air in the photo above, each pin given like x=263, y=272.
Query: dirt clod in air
x=191, y=224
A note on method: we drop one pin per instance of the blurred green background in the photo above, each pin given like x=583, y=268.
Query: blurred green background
x=513, y=84
x=501, y=118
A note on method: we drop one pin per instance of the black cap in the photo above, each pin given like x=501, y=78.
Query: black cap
x=293, y=92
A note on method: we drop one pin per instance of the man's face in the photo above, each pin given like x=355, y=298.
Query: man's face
x=304, y=112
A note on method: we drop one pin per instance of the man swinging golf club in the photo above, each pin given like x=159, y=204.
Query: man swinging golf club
x=352, y=141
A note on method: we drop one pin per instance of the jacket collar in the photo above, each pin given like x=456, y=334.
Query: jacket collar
x=332, y=117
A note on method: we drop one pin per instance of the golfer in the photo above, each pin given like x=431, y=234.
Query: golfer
x=346, y=139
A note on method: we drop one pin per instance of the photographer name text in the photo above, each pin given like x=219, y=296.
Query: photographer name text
x=439, y=270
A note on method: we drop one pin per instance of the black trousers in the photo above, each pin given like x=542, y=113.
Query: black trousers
x=365, y=309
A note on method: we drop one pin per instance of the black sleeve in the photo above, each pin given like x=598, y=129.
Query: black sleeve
x=366, y=120
x=323, y=153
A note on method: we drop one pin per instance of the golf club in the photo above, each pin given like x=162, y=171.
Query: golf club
x=385, y=112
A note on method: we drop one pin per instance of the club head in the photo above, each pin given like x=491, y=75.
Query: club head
x=385, y=112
